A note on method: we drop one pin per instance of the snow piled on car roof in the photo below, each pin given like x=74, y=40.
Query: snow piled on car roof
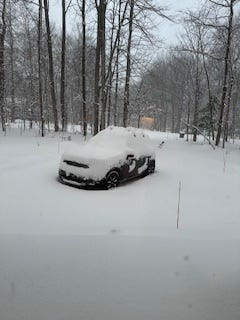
x=131, y=139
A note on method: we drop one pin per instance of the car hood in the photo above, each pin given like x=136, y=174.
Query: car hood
x=99, y=161
x=90, y=152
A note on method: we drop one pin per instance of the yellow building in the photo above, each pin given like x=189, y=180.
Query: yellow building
x=147, y=123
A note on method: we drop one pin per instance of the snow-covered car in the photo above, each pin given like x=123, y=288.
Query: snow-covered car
x=114, y=155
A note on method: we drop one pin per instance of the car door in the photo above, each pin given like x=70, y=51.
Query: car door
x=129, y=167
x=141, y=165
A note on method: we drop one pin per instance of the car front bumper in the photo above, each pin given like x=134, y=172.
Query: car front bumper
x=75, y=180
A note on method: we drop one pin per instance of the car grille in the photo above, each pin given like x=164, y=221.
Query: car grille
x=76, y=164
x=71, y=177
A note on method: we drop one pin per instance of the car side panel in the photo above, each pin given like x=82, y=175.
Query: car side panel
x=132, y=168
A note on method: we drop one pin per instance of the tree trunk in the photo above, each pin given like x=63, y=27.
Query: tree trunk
x=51, y=68
x=117, y=68
x=226, y=71
x=62, y=90
x=173, y=116
x=164, y=115
x=109, y=87
x=109, y=101
x=116, y=91
x=110, y=80
x=30, y=92
x=97, y=78
x=11, y=45
x=188, y=119
x=234, y=111
x=226, y=124
x=2, y=75
x=196, y=103
x=42, y=124
x=45, y=95
x=84, y=102
x=128, y=70
x=179, y=116
x=103, y=63
x=210, y=100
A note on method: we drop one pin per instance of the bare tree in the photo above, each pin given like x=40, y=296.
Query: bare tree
x=84, y=96
x=128, y=69
x=62, y=81
x=229, y=6
x=117, y=65
x=100, y=62
x=197, y=93
x=42, y=120
x=103, y=7
x=63, y=66
x=2, y=76
x=51, y=67
x=12, y=62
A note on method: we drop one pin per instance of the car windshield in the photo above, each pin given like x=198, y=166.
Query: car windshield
x=109, y=139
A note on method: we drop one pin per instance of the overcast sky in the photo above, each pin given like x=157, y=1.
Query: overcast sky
x=167, y=31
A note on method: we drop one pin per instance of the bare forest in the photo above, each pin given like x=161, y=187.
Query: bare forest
x=109, y=67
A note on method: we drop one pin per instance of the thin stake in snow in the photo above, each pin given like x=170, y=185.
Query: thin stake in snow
x=179, y=198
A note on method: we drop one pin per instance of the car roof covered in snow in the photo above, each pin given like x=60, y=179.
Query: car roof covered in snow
x=118, y=137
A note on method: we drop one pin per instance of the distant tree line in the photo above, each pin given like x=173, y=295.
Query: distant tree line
x=101, y=72
x=197, y=83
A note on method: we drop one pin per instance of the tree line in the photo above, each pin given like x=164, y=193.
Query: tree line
x=53, y=77
x=195, y=86
x=101, y=71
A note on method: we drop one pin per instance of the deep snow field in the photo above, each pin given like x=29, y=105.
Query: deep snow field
x=74, y=254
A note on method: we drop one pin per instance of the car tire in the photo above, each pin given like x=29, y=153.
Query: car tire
x=112, y=179
x=151, y=167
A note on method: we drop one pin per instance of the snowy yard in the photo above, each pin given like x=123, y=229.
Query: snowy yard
x=69, y=253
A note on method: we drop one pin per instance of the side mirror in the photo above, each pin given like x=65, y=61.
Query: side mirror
x=130, y=158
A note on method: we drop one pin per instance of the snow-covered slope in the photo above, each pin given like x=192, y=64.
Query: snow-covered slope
x=68, y=253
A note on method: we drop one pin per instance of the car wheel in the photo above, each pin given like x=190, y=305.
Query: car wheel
x=151, y=170
x=151, y=167
x=112, y=179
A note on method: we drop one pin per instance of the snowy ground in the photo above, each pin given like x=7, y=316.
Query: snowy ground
x=68, y=253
